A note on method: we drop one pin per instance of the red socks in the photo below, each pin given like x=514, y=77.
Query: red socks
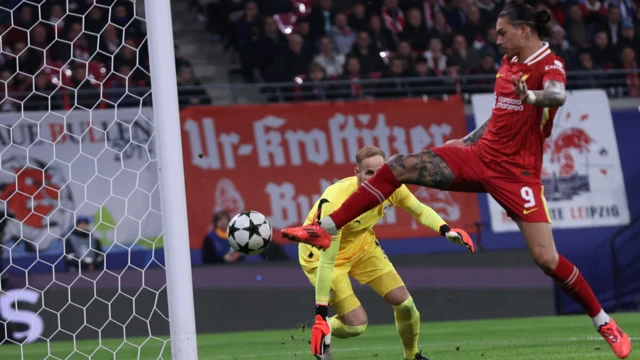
x=571, y=281
x=369, y=195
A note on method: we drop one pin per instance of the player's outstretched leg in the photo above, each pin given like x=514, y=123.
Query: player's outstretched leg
x=425, y=168
x=539, y=239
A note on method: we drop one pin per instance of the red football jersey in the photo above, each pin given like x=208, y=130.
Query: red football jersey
x=513, y=142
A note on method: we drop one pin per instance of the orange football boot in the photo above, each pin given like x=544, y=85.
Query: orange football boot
x=617, y=339
x=312, y=234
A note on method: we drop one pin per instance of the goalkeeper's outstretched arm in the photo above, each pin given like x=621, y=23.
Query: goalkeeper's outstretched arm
x=421, y=212
x=429, y=218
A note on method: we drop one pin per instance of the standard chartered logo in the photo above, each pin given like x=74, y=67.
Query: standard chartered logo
x=509, y=104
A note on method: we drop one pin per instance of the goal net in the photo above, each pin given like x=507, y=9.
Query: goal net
x=80, y=210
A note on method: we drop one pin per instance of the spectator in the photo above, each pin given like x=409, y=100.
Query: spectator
x=268, y=47
x=58, y=18
x=473, y=26
x=429, y=84
x=587, y=78
x=321, y=18
x=452, y=81
x=441, y=30
x=29, y=60
x=603, y=53
x=614, y=25
x=38, y=38
x=329, y=60
x=436, y=59
x=353, y=74
x=7, y=92
x=491, y=46
x=83, y=250
x=358, y=20
x=294, y=61
x=381, y=37
x=43, y=97
x=87, y=94
x=180, y=60
x=121, y=16
x=406, y=54
x=123, y=92
x=393, y=17
x=556, y=10
x=310, y=44
x=465, y=57
x=415, y=33
x=456, y=14
x=559, y=44
x=272, y=7
x=367, y=54
x=341, y=34
x=593, y=12
x=577, y=29
x=628, y=38
x=247, y=28
x=313, y=89
x=487, y=68
x=110, y=42
x=394, y=85
x=627, y=9
x=25, y=20
x=127, y=55
x=190, y=90
x=96, y=21
x=76, y=44
x=489, y=11
x=215, y=245
x=629, y=62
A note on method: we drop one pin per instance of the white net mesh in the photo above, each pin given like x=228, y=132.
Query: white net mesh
x=79, y=197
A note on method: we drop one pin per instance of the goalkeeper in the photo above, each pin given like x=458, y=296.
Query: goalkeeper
x=355, y=251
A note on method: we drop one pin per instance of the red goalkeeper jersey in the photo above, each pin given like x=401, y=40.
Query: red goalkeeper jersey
x=513, y=142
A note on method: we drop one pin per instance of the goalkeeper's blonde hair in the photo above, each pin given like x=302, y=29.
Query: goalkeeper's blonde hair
x=369, y=152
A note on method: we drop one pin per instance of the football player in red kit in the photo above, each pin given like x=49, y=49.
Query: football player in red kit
x=502, y=157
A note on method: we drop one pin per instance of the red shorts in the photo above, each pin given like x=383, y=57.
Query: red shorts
x=521, y=196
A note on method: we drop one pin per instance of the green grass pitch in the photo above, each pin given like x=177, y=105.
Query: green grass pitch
x=548, y=338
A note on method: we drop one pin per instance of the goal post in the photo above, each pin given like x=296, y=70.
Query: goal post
x=166, y=116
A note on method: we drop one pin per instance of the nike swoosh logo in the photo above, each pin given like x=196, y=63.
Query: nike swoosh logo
x=499, y=75
x=529, y=211
x=524, y=77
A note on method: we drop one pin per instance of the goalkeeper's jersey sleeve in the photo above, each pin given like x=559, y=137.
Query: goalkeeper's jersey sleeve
x=421, y=212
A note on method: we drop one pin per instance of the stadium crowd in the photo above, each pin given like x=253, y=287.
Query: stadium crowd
x=430, y=41
x=48, y=51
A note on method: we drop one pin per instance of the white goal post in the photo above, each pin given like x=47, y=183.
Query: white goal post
x=174, y=205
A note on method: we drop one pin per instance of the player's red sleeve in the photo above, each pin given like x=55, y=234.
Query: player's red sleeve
x=554, y=70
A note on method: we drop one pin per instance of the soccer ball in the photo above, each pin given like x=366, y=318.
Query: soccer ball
x=249, y=233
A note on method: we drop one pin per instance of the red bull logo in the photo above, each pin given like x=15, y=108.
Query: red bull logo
x=31, y=197
x=37, y=202
x=560, y=173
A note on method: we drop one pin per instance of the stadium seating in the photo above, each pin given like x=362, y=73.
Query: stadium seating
x=599, y=40
x=57, y=40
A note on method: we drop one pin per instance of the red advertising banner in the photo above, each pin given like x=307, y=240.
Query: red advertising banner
x=278, y=159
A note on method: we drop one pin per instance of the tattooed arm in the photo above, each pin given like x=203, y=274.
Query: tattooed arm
x=553, y=95
x=476, y=134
